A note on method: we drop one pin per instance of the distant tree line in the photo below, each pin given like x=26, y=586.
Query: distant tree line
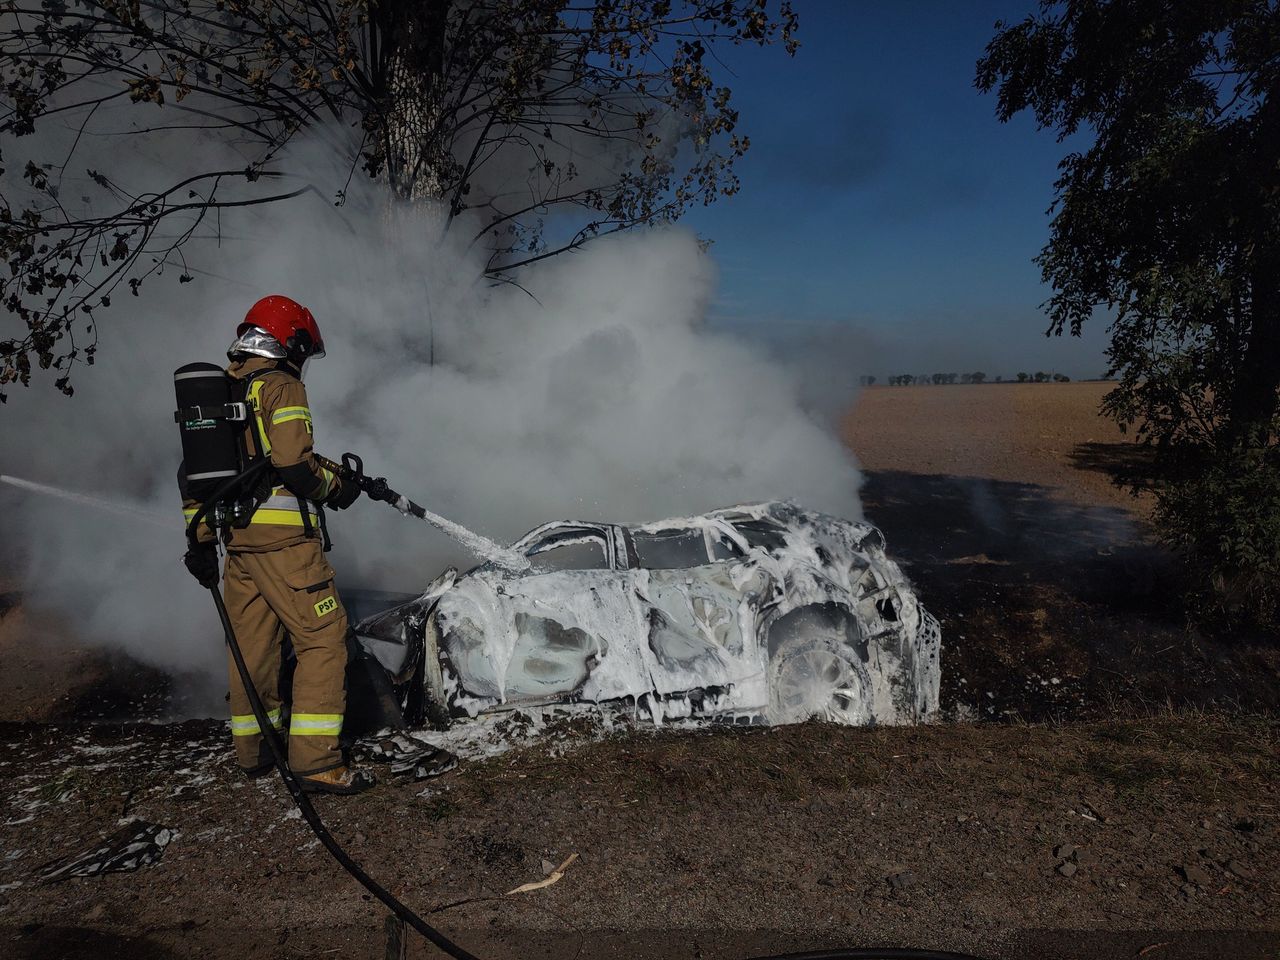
x=941, y=379
x=1041, y=377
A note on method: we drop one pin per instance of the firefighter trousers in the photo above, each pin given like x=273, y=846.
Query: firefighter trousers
x=288, y=590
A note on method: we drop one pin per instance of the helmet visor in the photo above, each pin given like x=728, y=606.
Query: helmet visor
x=257, y=342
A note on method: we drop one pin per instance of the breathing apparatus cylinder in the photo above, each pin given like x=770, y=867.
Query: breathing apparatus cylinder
x=210, y=424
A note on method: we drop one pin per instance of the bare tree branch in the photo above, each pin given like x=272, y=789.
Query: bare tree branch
x=586, y=118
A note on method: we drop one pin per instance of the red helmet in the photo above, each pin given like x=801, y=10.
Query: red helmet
x=289, y=322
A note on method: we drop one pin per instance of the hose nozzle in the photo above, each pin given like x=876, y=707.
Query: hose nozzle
x=351, y=470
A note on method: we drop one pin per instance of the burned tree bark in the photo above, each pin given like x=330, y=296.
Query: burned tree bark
x=418, y=161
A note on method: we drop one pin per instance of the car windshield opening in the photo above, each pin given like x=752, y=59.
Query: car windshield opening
x=670, y=549
x=722, y=548
x=761, y=533
x=575, y=552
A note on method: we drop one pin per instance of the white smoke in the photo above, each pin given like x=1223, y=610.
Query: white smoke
x=594, y=391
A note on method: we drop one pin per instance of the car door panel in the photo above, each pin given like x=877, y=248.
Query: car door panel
x=700, y=626
x=573, y=632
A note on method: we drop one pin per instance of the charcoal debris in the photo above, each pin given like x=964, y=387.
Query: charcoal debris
x=136, y=844
x=409, y=755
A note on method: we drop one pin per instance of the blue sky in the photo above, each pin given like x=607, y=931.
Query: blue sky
x=883, y=206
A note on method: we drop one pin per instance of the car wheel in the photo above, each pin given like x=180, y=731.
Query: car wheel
x=817, y=677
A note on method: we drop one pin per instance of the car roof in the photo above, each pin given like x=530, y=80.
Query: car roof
x=743, y=511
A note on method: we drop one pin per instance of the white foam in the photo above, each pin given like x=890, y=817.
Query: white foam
x=479, y=545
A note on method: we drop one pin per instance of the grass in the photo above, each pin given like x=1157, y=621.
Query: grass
x=70, y=782
x=790, y=763
x=1196, y=755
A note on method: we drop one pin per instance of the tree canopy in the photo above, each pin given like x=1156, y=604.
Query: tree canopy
x=1169, y=214
x=1166, y=219
x=536, y=125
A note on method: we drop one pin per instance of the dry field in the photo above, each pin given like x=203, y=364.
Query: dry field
x=1049, y=435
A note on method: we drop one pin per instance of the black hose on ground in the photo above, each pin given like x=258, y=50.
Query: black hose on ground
x=279, y=758
x=304, y=805
x=871, y=953
x=308, y=811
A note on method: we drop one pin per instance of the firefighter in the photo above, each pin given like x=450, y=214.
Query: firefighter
x=277, y=580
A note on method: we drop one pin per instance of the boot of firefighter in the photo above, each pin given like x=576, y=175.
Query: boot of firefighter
x=343, y=781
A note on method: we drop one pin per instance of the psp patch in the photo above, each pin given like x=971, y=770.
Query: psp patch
x=325, y=606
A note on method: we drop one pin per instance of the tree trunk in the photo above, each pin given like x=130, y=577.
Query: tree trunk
x=415, y=158
x=1257, y=393
x=417, y=153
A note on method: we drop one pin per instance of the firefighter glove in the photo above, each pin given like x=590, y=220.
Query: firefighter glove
x=202, y=562
x=346, y=494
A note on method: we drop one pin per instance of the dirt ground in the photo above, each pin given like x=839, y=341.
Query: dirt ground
x=51, y=676
x=988, y=838
x=1110, y=789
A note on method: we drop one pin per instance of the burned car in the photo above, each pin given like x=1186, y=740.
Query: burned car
x=762, y=613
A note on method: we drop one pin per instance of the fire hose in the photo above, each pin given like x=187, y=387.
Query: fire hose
x=278, y=755
x=352, y=469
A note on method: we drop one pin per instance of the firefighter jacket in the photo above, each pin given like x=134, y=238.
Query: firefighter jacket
x=287, y=508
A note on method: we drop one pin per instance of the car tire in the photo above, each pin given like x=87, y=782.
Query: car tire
x=818, y=676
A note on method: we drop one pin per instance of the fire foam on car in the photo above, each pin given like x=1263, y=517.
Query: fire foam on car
x=818, y=622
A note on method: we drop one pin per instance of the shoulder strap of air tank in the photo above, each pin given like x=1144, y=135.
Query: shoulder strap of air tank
x=253, y=376
x=253, y=387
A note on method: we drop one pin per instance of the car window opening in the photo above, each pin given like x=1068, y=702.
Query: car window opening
x=579, y=552
x=723, y=548
x=761, y=533
x=670, y=549
x=888, y=609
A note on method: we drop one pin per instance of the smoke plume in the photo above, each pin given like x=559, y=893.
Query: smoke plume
x=591, y=391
